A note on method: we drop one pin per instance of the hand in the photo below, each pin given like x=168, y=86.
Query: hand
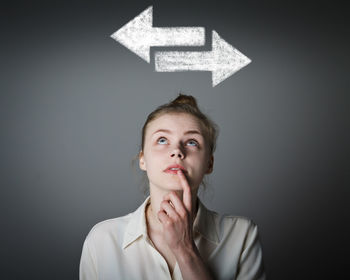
x=177, y=220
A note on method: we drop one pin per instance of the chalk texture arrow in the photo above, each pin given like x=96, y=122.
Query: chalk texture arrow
x=223, y=60
x=139, y=35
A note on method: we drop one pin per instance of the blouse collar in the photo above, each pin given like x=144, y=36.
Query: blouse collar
x=204, y=224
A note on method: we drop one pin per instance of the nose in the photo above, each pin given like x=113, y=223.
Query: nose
x=177, y=152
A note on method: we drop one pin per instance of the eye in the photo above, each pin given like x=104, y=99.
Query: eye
x=162, y=140
x=192, y=142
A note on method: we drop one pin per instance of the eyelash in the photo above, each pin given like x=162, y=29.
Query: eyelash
x=162, y=137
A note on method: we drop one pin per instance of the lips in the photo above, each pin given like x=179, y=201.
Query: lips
x=174, y=168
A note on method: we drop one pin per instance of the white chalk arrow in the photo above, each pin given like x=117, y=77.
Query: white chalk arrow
x=223, y=60
x=139, y=35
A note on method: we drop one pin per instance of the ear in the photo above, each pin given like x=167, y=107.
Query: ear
x=142, y=162
x=210, y=165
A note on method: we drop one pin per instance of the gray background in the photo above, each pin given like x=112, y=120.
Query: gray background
x=73, y=102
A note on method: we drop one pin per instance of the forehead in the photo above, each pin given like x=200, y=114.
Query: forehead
x=177, y=122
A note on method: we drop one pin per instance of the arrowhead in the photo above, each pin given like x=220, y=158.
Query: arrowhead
x=226, y=59
x=136, y=35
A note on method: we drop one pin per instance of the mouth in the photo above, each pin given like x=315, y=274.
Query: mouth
x=173, y=169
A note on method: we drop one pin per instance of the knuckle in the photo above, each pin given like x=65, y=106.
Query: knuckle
x=160, y=215
x=184, y=214
x=169, y=223
x=176, y=219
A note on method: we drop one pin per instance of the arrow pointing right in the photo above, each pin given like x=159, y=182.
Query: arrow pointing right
x=223, y=60
x=139, y=35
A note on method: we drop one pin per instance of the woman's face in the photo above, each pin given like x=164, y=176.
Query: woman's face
x=175, y=140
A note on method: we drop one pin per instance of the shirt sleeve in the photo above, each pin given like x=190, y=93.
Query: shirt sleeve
x=88, y=267
x=251, y=265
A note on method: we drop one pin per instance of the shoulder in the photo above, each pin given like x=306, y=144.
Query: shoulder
x=110, y=229
x=114, y=231
x=233, y=226
x=242, y=222
x=229, y=220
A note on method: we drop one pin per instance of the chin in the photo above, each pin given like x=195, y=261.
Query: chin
x=173, y=188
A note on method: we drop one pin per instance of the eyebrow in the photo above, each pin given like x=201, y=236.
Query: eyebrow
x=169, y=131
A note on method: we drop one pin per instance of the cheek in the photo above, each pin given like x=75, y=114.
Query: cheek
x=198, y=162
x=196, y=155
x=153, y=155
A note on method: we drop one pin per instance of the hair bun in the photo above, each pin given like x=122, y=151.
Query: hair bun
x=185, y=99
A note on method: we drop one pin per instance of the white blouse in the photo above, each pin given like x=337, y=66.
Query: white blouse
x=120, y=248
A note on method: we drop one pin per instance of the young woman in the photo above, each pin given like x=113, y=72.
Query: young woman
x=172, y=235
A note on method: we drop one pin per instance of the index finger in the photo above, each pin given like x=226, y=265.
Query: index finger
x=187, y=196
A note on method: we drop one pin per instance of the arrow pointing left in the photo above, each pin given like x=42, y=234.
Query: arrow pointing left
x=139, y=35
